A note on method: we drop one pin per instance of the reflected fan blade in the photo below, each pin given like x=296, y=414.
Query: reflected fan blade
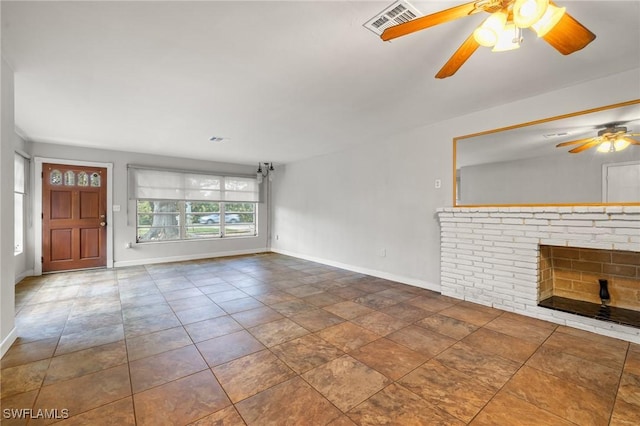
x=429, y=21
x=584, y=147
x=569, y=35
x=574, y=142
x=459, y=58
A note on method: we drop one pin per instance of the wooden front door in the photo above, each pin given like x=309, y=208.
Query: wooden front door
x=74, y=216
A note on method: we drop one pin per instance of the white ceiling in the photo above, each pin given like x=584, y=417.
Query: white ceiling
x=282, y=80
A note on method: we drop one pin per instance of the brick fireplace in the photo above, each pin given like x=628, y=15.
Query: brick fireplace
x=501, y=257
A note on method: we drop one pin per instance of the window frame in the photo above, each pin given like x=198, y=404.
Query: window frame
x=20, y=192
x=183, y=226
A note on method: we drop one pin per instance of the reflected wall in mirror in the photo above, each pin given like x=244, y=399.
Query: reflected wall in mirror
x=523, y=165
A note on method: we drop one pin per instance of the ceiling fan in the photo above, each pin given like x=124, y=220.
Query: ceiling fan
x=502, y=30
x=612, y=138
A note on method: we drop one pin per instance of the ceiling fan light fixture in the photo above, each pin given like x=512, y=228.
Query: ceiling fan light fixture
x=488, y=33
x=613, y=146
x=528, y=12
x=549, y=20
x=509, y=39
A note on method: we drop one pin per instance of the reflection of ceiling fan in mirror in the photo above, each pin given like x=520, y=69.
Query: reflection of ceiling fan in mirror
x=612, y=138
x=502, y=30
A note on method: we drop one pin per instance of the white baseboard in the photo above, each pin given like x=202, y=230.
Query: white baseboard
x=23, y=275
x=149, y=261
x=373, y=272
x=8, y=341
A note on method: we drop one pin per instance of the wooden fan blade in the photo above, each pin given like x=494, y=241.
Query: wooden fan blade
x=584, y=147
x=569, y=35
x=458, y=58
x=573, y=142
x=429, y=21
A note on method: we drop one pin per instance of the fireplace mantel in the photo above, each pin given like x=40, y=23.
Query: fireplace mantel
x=489, y=255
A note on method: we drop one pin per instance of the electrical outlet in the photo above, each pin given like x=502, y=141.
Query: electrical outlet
x=383, y=252
x=438, y=183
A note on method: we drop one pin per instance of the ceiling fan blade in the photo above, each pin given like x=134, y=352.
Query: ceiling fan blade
x=573, y=142
x=429, y=21
x=458, y=58
x=584, y=147
x=569, y=35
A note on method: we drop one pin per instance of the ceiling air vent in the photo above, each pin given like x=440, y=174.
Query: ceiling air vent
x=397, y=13
x=555, y=135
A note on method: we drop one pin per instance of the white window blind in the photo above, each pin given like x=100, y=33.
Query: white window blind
x=150, y=184
x=19, y=173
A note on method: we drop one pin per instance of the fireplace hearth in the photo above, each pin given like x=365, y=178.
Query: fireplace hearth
x=593, y=310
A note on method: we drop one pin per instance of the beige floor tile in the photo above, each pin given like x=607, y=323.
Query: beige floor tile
x=601, y=352
x=422, y=340
x=512, y=348
x=396, y=405
x=506, y=409
x=258, y=316
x=246, y=376
x=348, y=309
x=306, y=352
x=115, y=413
x=165, y=367
x=158, y=342
x=455, y=392
x=214, y=327
x=80, y=363
x=565, y=399
x=275, y=406
x=316, y=319
x=87, y=392
x=28, y=352
x=380, y=323
x=515, y=327
x=228, y=347
x=181, y=401
x=347, y=336
x=146, y=325
x=492, y=370
x=278, y=331
x=597, y=377
x=89, y=338
x=468, y=314
x=389, y=358
x=448, y=326
x=23, y=377
x=335, y=380
x=226, y=417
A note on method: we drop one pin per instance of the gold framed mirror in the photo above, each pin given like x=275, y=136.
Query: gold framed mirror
x=597, y=161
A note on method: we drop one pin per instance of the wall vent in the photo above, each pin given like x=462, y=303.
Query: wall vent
x=399, y=12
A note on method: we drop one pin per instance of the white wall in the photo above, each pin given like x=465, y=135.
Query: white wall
x=558, y=178
x=123, y=222
x=7, y=290
x=344, y=208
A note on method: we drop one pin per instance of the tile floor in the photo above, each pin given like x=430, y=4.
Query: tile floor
x=274, y=340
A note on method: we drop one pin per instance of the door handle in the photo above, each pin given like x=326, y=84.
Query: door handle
x=103, y=223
